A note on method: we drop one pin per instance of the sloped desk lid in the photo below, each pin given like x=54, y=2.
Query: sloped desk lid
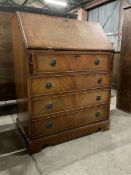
x=46, y=32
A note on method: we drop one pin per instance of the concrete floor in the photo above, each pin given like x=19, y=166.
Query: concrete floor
x=102, y=153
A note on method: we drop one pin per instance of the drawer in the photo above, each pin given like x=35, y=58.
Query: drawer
x=57, y=84
x=56, y=104
x=68, y=121
x=67, y=63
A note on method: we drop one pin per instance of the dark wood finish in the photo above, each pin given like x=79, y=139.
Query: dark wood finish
x=62, y=94
x=62, y=83
x=7, y=109
x=115, y=70
x=124, y=84
x=7, y=86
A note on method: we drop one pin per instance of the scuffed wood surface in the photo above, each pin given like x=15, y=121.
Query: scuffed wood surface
x=40, y=31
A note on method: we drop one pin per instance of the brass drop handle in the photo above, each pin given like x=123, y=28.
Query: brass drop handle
x=98, y=114
x=53, y=62
x=98, y=98
x=99, y=80
x=97, y=62
x=49, y=125
x=48, y=85
x=50, y=106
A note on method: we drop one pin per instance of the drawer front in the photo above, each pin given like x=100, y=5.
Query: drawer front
x=61, y=123
x=63, y=103
x=57, y=84
x=65, y=63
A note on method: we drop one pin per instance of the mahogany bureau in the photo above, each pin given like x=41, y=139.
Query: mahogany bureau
x=63, y=72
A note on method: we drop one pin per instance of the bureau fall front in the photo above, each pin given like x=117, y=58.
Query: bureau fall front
x=63, y=73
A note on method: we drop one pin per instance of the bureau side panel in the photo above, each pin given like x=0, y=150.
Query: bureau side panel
x=20, y=65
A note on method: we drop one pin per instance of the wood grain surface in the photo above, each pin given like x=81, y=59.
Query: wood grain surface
x=76, y=119
x=54, y=104
x=46, y=32
x=63, y=74
x=20, y=68
x=124, y=83
x=7, y=82
x=63, y=83
x=66, y=62
x=35, y=145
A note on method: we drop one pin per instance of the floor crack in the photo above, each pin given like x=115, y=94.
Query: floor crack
x=38, y=169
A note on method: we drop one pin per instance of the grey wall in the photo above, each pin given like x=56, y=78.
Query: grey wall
x=110, y=16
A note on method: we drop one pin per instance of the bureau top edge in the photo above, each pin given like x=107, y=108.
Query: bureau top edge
x=40, y=49
x=72, y=52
